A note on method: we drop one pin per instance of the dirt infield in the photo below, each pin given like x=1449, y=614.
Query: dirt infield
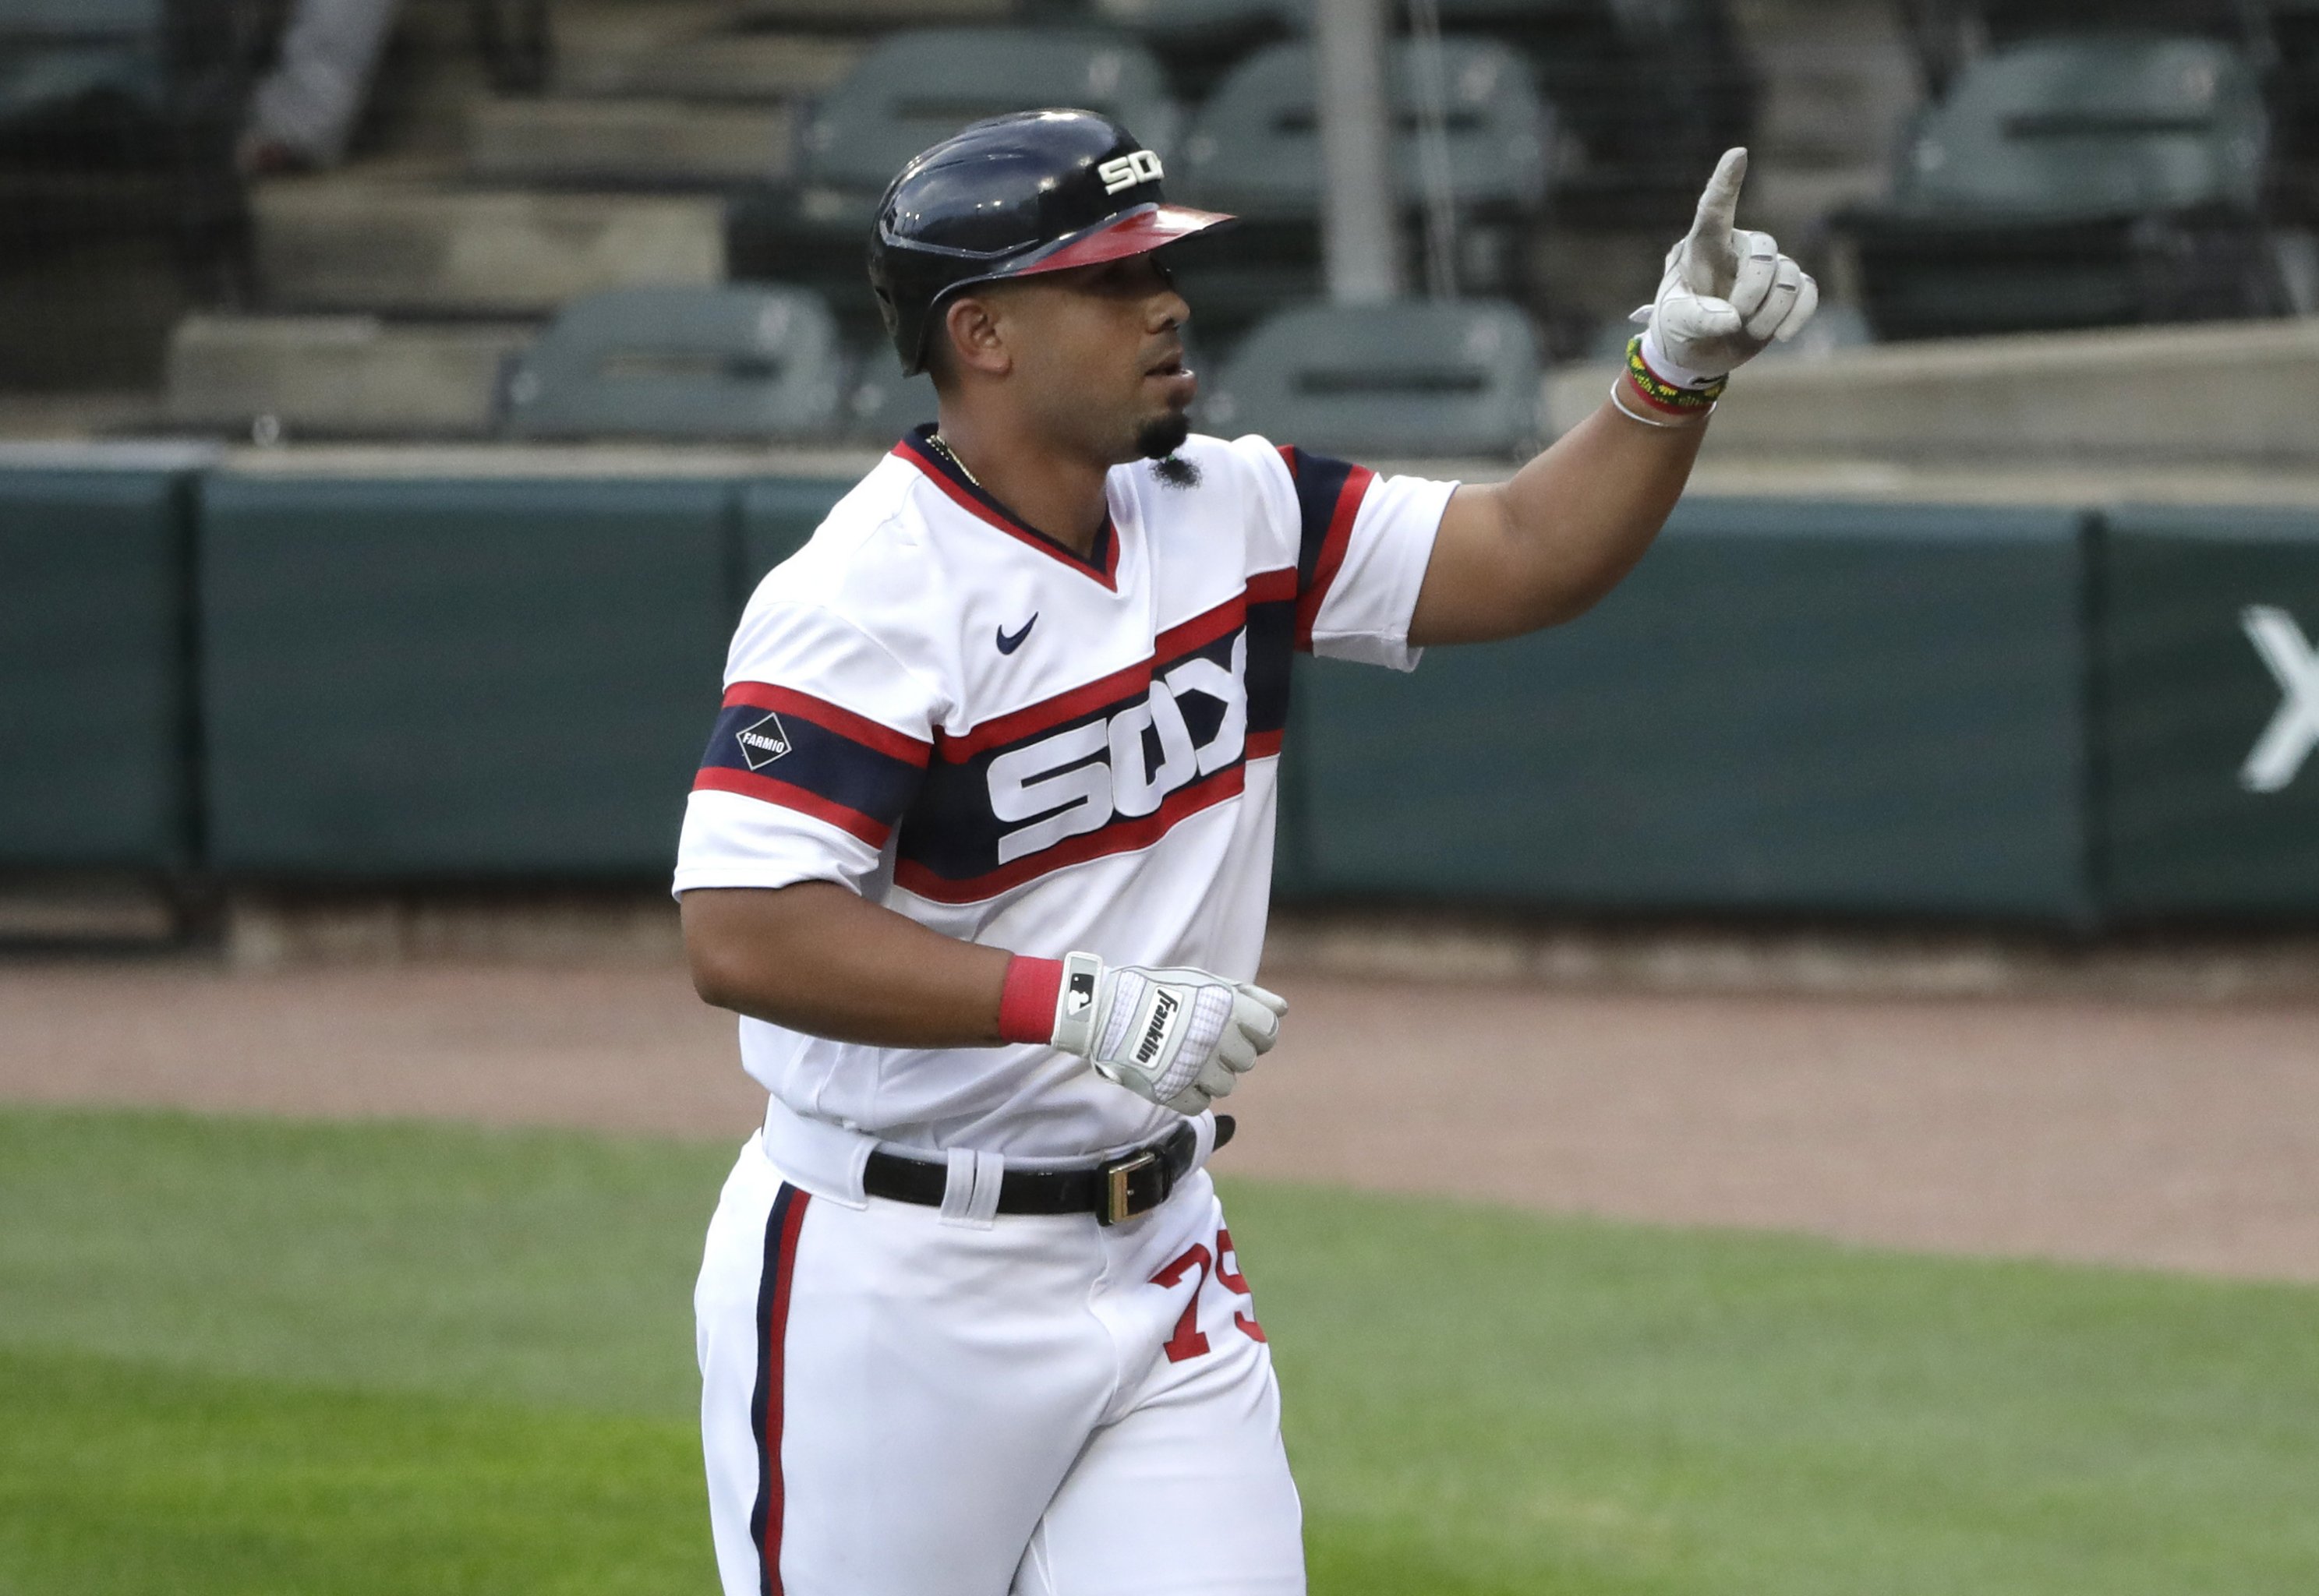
x=2184, y=1135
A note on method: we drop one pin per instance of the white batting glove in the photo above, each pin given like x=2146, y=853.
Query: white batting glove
x=1727, y=293
x=1183, y=1038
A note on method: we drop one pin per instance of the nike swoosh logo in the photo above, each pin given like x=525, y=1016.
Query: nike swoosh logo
x=1008, y=643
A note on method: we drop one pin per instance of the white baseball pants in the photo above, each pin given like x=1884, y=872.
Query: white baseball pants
x=894, y=1404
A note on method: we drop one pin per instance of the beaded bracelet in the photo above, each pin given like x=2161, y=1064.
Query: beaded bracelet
x=1663, y=395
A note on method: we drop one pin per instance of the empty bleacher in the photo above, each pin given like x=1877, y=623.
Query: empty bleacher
x=2077, y=182
x=594, y=146
x=1950, y=169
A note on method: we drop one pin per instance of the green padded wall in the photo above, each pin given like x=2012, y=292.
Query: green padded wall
x=777, y=517
x=1293, y=877
x=93, y=664
x=413, y=678
x=1797, y=707
x=2187, y=696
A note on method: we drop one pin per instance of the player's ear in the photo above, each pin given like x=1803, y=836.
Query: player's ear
x=976, y=340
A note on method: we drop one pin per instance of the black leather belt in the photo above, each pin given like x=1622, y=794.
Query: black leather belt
x=1119, y=1190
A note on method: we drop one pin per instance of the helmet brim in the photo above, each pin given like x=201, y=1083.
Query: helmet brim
x=1139, y=233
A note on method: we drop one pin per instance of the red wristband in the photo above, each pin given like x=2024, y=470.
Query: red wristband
x=1026, y=1002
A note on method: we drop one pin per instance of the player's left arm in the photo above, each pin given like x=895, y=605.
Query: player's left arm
x=1540, y=549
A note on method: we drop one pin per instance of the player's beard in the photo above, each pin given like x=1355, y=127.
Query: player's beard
x=1163, y=435
x=1158, y=441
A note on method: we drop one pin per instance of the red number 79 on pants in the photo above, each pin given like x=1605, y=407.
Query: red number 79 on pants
x=1188, y=1342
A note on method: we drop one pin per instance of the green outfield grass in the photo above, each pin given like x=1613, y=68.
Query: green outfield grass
x=247, y=1356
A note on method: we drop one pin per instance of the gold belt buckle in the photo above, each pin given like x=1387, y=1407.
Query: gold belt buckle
x=1117, y=1195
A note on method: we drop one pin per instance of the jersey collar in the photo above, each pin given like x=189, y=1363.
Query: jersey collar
x=970, y=496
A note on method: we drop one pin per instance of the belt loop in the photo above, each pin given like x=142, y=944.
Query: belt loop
x=825, y=1159
x=970, y=1194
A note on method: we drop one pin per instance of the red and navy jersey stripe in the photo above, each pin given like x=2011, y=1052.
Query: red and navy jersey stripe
x=1102, y=563
x=956, y=845
x=1271, y=643
x=792, y=749
x=1329, y=495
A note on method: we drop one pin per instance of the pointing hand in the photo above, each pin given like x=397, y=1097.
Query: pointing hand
x=1727, y=293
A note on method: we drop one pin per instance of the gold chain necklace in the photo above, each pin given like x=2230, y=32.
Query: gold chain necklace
x=950, y=455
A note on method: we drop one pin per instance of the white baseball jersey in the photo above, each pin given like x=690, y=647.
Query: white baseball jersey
x=967, y=722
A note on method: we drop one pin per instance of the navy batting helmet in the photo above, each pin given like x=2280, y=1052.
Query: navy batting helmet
x=1038, y=191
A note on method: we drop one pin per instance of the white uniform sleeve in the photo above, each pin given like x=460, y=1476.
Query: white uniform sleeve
x=817, y=751
x=1362, y=544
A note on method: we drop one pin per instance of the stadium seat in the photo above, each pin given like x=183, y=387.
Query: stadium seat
x=71, y=19
x=1198, y=41
x=1255, y=151
x=119, y=116
x=918, y=87
x=1649, y=94
x=67, y=24
x=2076, y=183
x=1414, y=378
x=2293, y=90
x=2003, y=22
x=681, y=364
x=58, y=57
x=1646, y=96
x=73, y=69
x=2282, y=36
x=1255, y=148
x=913, y=89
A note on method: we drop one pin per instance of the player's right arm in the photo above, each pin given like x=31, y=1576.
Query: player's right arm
x=814, y=957
x=817, y=957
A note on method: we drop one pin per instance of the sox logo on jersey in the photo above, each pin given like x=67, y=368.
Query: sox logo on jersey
x=1076, y=782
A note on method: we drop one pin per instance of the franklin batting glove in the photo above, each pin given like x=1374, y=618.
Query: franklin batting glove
x=1183, y=1038
x=1727, y=293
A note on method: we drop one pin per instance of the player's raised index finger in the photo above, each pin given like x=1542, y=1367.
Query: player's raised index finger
x=1718, y=207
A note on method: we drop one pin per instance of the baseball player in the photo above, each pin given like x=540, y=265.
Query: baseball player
x=980, y=850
